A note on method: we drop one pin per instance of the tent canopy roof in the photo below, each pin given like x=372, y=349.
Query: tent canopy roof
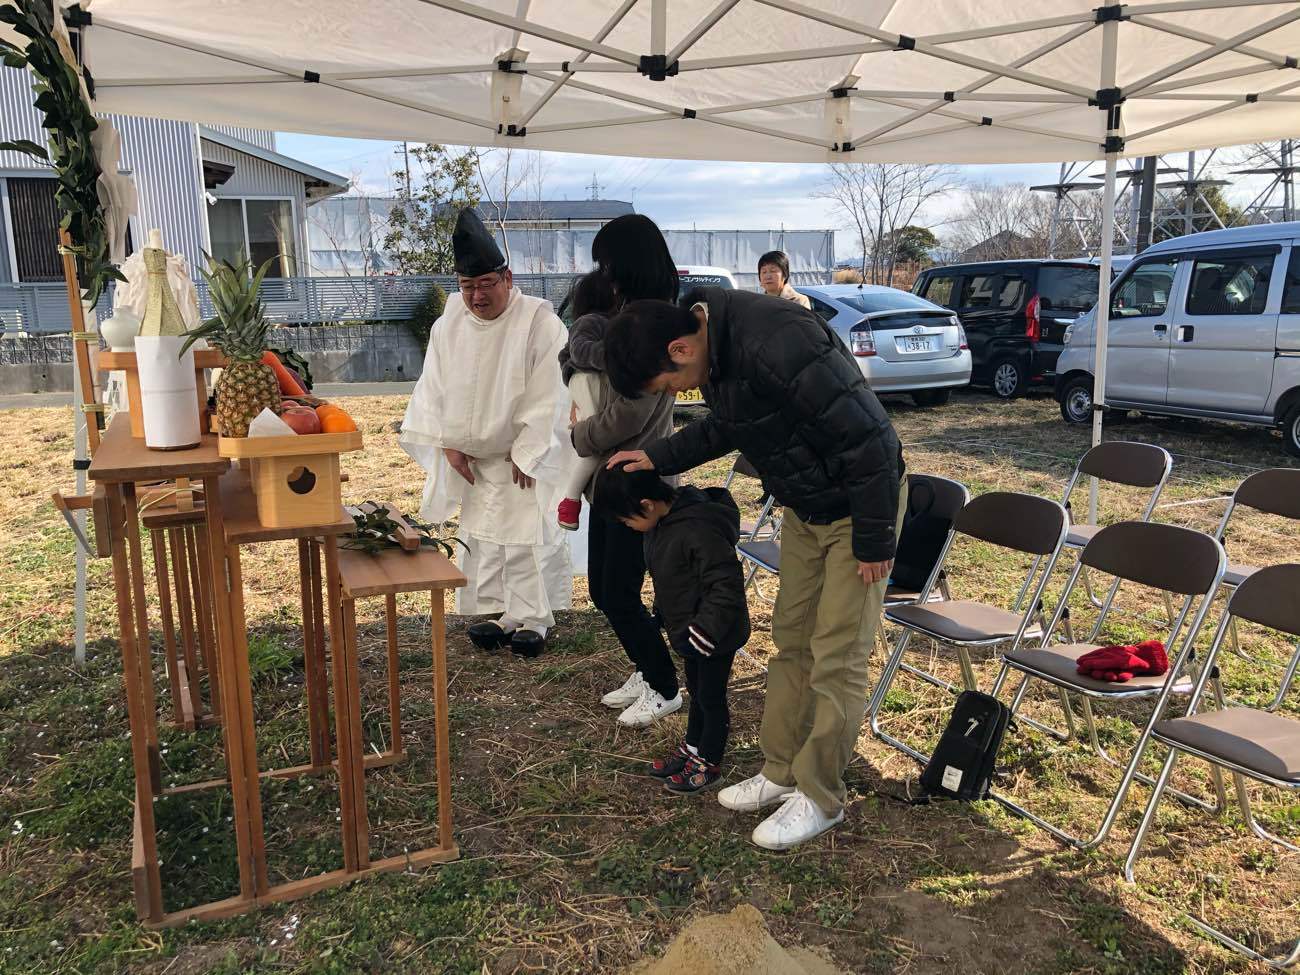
x=962, y=81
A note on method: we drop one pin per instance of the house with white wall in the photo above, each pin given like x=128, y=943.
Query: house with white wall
x=219, y=190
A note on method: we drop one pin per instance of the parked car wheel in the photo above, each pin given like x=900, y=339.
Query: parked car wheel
x=1291, y=431
x=931, y=397
x=1076, y=400
x=1008, y=378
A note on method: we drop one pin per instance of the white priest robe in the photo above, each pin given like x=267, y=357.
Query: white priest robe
x=493, y=390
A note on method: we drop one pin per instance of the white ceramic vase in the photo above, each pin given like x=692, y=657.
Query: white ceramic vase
x=120, y=330
x=169, y=395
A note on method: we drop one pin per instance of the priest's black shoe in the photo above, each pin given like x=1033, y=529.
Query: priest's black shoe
x=488, y=635
x=527, y=643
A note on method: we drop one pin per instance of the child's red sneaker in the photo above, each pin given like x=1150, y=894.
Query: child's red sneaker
x=569, y=513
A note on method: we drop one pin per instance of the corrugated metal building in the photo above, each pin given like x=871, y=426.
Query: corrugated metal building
x=221, y=190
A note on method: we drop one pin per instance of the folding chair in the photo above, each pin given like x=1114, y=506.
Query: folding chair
x=767, y=523
x=1020, y=522
x=1247, y=742
x=949, y=497
x=1118, y=462
x=1273, y=492
x=1166, y=557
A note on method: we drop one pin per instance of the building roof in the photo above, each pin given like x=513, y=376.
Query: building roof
x=322, y=181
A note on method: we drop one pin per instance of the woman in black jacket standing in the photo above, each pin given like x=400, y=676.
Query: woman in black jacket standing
x=631, y=252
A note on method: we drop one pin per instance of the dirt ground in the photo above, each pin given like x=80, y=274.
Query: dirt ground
x=573, y=860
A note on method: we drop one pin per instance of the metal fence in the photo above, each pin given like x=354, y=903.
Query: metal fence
x=42, y=308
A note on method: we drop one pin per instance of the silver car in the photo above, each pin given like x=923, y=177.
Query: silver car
x=1206, y=325
x=902, y=343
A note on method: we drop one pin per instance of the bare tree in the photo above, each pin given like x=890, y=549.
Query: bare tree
x=1001, y=221
x=878, y=200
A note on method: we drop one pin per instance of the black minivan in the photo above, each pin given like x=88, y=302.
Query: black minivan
x=1015, y=314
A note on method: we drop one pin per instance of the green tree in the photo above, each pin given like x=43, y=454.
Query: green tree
x=1174, y=223
x=910, y=245
x=430, y=193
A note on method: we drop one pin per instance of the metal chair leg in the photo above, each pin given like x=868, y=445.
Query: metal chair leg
x=1277, y=962
x=1186, y=798
x=1287, y=677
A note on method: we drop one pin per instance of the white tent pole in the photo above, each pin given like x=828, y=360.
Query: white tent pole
x=81, y=452
x=1226, y=44
x=975, y=85
x=700, y=29
x=1101, y=324
x=1191, y=34
x=614, y=20
x=658, y=26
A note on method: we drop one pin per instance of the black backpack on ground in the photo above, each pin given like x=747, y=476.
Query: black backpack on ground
x=965, y=759
x=920, y=543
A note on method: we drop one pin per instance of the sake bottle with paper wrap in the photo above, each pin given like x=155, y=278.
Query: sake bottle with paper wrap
x=168, y=389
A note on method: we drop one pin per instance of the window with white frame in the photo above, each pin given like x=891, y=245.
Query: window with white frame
x=260, y=229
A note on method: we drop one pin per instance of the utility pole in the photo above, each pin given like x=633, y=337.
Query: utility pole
x=1146, y=204
x=406, y=164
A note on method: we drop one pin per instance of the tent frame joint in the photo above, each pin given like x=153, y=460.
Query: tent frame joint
x=1113, y=144
x=656, y=67
x=513, y=131
x=905, y=43
x=1114, y=11
x=843, y=91
x=75, y=18
x=507, y=66
x=1291, y=62
x=311, y=77
x=1107, y=98
x=688, y=113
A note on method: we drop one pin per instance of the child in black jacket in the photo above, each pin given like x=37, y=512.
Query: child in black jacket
x=690, y=546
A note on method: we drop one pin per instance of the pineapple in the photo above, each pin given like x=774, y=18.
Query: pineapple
x=247, y=385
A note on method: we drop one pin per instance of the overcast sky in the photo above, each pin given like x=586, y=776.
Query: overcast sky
x=676, y=194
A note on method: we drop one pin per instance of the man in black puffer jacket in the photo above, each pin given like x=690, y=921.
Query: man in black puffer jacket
x=784, y=391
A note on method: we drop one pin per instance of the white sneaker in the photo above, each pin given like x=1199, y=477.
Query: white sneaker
x=797, y=821
x=625, y=695
x=650, y=707
x=754, y=794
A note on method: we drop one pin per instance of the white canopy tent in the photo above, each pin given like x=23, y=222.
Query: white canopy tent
x=956, y=81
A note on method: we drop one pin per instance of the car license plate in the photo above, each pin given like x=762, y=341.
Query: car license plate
x=690, y=396
x=914, y=343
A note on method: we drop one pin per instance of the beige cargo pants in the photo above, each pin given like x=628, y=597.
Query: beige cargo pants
x=824, y=626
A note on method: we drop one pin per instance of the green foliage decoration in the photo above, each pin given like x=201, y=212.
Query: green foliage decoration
x=69, y=124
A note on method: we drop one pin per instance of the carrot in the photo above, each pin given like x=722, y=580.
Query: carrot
x=289, y=386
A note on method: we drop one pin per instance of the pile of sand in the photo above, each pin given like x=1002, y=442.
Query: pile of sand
x=732, y=944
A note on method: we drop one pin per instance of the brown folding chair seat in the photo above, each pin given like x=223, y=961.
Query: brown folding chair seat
x=960, y=621
x=1236, y=574
x=1163, y=557
x=1022, y=523
x=1249, y=742
x=1265, y=744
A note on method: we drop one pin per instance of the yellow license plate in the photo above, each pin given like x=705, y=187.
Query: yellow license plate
x=690, y=396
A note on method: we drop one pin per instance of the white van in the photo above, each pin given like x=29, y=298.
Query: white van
x=1206, y=325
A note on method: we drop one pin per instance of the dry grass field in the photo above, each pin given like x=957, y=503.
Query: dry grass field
x=573, y=860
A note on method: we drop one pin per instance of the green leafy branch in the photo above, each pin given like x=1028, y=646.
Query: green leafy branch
x=69, y=124
x=374, y=532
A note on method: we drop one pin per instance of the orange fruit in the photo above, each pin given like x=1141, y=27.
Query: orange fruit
x=336, y=422
x=326, y=409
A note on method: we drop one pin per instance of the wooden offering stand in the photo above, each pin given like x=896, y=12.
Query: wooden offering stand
x=230, y=521
x=125, y=362
x=294, y=478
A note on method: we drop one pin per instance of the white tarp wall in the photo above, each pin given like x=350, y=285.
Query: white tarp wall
x=346, y=236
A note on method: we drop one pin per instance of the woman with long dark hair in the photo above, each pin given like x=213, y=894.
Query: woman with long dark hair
x=633, y=256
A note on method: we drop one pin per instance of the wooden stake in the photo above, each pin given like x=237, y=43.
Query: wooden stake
x=394, y=686
x=80, y=347
x=442, y=730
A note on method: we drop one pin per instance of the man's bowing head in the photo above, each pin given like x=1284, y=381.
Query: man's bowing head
x=481, y=270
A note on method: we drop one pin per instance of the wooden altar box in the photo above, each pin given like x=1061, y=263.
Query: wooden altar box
x=295, y=479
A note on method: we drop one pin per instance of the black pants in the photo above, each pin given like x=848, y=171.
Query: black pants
x=709, y=718
x=615, y=574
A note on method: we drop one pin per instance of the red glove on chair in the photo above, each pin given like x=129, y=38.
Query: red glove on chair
x=1119, y=664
